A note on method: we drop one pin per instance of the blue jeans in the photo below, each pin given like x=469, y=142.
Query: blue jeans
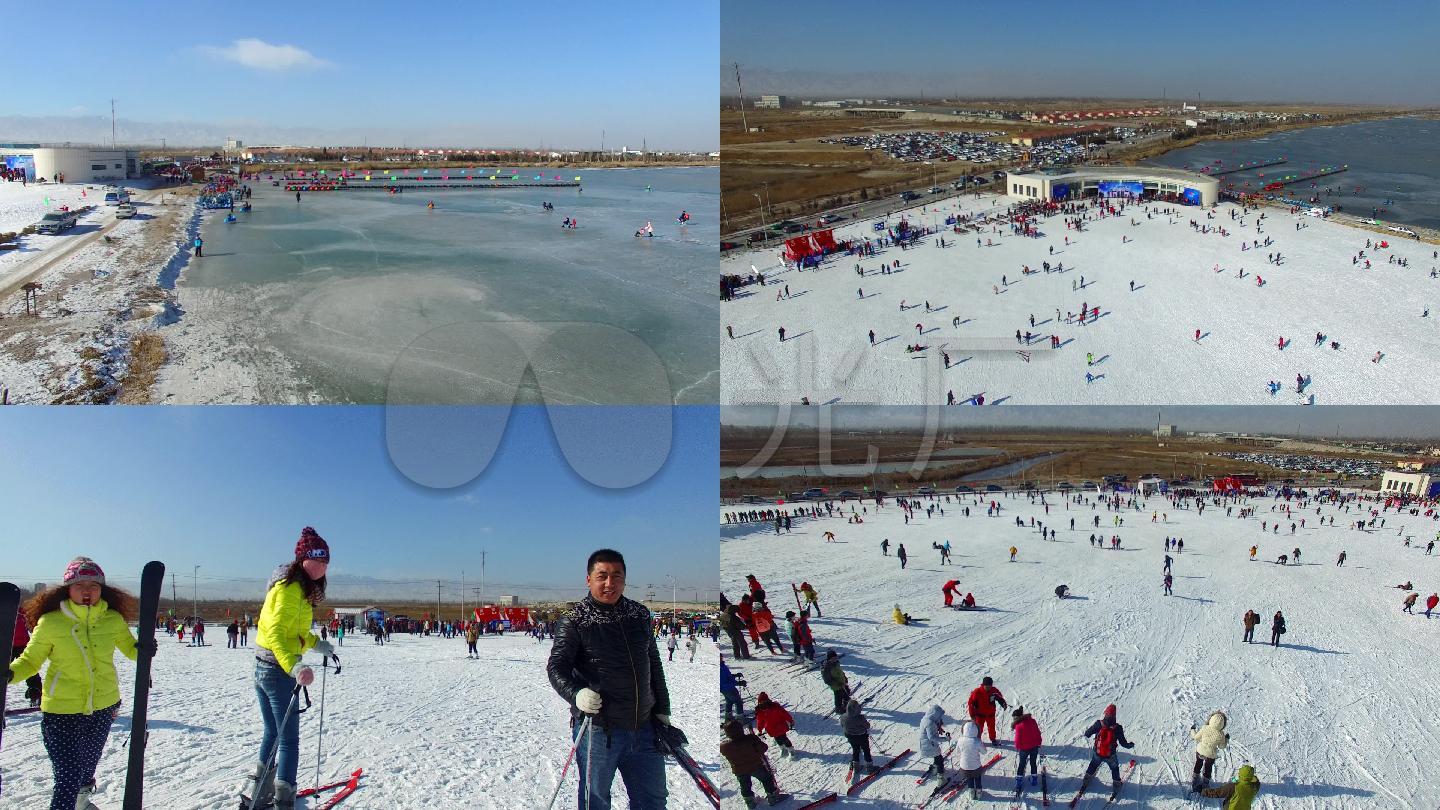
x=275, y=688
x=633, y=754
x=734, y=706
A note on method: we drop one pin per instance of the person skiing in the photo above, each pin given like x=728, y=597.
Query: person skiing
x=1027, y=744
x=900, y=616
x=857, y=733
x=730, y=690
x=1430, y=602
x=1108, y=734
x=981, y=705
x=970, y=754
x=900, y=552
x=949, y=589
x=1253, y=550
x=968, y=603
x=17, y=646
x=605, y=663
x=1409, y=603
x=812, y=599
x=834, y=677
x=1013, y=552
x=1237, y=795
x=732, y=624
x=884, y=549
x=765, y=625
x=1277, y=629
x=746, y=755
x=692, y=643
x=1169, y=580
x=932, y=733
x=671, y=642
x=802, y=641
x=282, y=636
x=1209, y=740
x=81, y=693
x=771, y=718
x=1251, y=619
x=1340, y=561
x=757, y=591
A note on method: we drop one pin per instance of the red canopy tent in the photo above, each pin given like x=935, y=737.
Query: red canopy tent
x=815, y=243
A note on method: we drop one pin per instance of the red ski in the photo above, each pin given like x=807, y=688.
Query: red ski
x=922, y=780
x=823, y=800
x=882, y=769
x=1044, y=785
x=961, y=786
x=346, y=786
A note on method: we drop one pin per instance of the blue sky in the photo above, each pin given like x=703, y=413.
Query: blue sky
x=487, y=73
x=230, y=488
x=1323, y=50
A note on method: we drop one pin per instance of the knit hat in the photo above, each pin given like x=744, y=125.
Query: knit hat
x=762, y=698
x=82, y=569
x=988, y=681
x=1110, y=710
x=311, y=546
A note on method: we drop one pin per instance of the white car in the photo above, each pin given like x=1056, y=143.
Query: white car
x=125, y=211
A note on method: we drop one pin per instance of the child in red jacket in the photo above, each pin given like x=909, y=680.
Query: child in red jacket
x=1027, y=744
x=771, y=718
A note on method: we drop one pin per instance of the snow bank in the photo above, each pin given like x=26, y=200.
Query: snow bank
x=1337, y=717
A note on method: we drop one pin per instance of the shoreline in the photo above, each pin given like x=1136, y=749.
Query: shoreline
x=786, y=209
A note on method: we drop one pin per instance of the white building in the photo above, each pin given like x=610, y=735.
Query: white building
x=770, y=102
x=1415, y=484
x=1075, y=183
x=233, y=145
x=78, y=164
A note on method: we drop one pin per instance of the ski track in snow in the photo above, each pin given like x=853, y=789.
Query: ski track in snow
x=1143, y=342
x=1337, y=717
x=430, y=727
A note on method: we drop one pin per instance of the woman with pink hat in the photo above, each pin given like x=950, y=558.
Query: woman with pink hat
x=282, y=636
x=79, y=624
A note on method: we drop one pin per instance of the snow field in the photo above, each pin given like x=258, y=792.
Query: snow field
x=1143, y=343
x=430, y=727
x=1336, y=717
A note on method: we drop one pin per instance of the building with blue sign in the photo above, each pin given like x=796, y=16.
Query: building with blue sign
x=1062, y=184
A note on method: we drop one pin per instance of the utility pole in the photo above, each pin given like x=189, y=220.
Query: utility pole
x=112, y=123
x=173, y=596
x=744, y=127
x=482, y=576
x=462, y=594
x=194, y=578
x=437, y=600
x=674, y=600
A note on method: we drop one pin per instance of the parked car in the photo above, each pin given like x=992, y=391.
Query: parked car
x=813, y=492
x=795, y=227
x=757, y=236
x=125, y=211
x=849, y=493
x=909, y=195
x=57, y=221
x=926, y=490
x=831, y=218
x=1066, y=485
x=994, y=488
x=964, y=488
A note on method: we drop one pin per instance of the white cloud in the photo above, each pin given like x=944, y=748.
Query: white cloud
x=261, y=55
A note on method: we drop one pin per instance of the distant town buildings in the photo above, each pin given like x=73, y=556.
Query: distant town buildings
x=770, y=102
x=78, y=164
x=1413, y=478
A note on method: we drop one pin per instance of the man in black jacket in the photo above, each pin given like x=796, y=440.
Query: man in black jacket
x=606, y=665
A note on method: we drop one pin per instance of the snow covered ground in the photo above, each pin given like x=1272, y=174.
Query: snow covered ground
x=1143, y=344
x=25, y=205
x=430, y=727
x=1339, y=716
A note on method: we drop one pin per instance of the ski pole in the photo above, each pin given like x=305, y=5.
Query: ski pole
x=275, y=752
x=320, y=743
x=584, y=726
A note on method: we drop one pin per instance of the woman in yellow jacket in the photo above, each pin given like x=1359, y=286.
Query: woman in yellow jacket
x=282, y=635
x=79, y=624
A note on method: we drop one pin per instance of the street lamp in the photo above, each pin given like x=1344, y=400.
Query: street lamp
x=194, y=578
x=764, y=226
x=674, y=601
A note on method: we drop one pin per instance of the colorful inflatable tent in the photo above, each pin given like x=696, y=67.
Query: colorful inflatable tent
x=815, y=243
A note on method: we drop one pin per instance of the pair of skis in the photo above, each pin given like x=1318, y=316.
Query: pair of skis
x=1020, y=790
x=856, y=787
x=671, y=741
x=346, y=786
x=947, y=790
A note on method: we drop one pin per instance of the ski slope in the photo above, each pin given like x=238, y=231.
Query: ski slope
x=1143, y=343
x=430, y=727
x=1339, y=716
